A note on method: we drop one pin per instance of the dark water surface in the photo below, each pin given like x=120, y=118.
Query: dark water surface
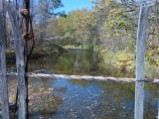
x=80, y=99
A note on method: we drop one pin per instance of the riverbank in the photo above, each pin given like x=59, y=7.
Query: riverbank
x=127, y=62
x=41, y=50
x=124, y=61
x=75, y=60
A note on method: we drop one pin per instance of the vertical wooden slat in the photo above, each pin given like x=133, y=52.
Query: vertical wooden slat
x=140, y=56
x=3, y=78
x=19, y=50
x=158, y=108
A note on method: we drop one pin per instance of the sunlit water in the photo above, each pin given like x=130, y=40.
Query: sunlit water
x=80, y=99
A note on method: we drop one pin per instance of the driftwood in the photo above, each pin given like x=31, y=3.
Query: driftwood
x=3, y=79
x=84, y=77
x=140, y=58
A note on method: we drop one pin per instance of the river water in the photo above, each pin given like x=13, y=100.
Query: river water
x=79, y=99
x=77, y=62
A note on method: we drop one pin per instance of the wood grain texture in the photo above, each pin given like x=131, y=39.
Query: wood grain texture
x=19, y=51
x=3, y=74
x=140, y=57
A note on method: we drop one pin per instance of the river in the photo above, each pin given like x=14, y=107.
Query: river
x=80, y=99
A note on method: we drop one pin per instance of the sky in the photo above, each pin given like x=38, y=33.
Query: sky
x=70, y=5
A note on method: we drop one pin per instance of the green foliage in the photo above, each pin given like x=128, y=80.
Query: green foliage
x=151, y=71
x=121, y=60
x=107, y=22
x=117, y=27
x=152, y=53
x=111, y=24
x=125, y=61
x=77, y=26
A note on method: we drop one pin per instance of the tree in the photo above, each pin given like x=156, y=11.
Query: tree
x=78, y=27
x=46, y=11
x=116, y=24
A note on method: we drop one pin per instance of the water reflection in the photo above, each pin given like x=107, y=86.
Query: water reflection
x=103, y=100
x=76, y=62
x=80, y=99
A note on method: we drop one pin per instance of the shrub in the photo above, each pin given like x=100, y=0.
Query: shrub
x=124, y=61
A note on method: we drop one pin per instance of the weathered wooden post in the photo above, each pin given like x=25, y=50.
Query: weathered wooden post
x=3, y=79
x=158, y=109
x=19, y=51
x=140, y=56
x=4, y=89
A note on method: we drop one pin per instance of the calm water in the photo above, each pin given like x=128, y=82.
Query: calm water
x=77, y=62
x=79, y=99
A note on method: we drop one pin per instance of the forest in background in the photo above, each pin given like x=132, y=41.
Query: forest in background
x=109, y=28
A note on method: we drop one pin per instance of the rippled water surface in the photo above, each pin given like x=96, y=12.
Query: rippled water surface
x=94, y=100
x=80, y=99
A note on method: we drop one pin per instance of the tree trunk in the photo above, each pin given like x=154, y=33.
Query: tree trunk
x=140, y=56
x=19, y=50
x=3, y=79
